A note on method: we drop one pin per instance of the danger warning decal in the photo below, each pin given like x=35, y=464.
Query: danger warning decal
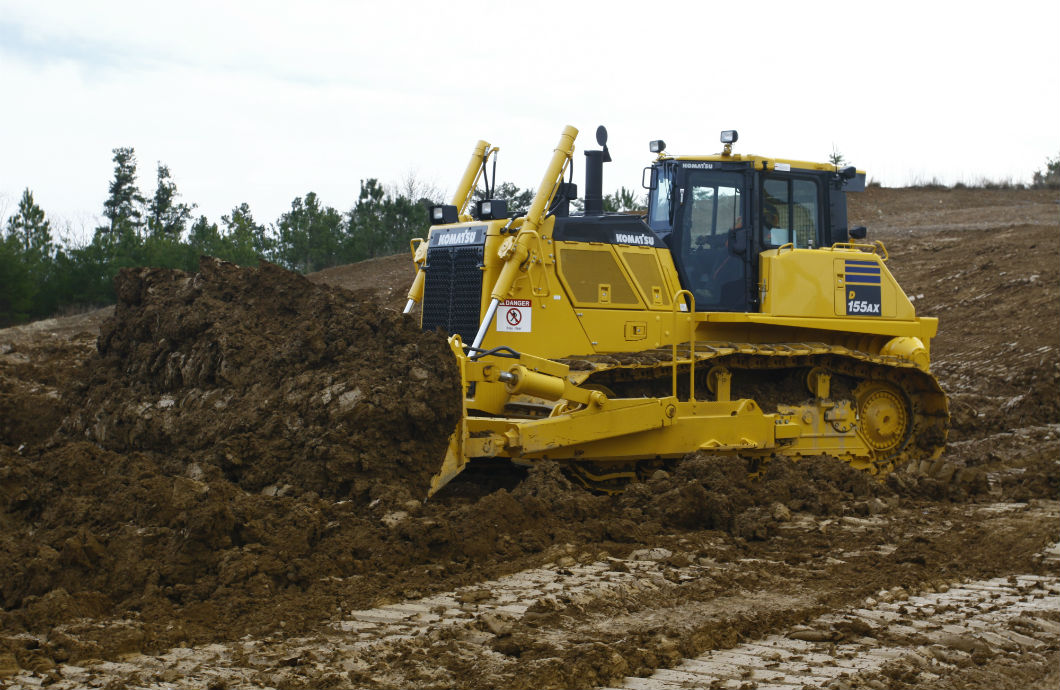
x=513, y=316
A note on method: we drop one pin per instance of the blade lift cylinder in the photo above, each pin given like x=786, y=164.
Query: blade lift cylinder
x=515, y=253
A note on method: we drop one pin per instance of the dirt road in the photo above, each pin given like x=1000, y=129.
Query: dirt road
x=133, y=555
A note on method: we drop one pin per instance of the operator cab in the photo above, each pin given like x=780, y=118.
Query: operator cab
x=718, y=213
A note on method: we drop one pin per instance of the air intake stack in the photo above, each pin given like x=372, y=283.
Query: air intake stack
x=594, y=174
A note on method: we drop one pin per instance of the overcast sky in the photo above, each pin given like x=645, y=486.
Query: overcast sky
x=260, y=102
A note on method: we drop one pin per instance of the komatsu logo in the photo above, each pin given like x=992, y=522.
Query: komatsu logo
x=450, y=238
x=646, y=240
x=458, y=236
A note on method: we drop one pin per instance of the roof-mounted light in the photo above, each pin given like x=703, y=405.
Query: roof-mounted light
x=657, y=146
x=729, y=137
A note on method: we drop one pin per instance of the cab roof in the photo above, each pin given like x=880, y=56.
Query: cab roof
x=758, y=162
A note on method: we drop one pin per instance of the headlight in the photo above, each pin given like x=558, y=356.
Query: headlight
x=492, y=209
x=443, y=214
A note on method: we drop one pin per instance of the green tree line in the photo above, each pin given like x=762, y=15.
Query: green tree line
x=41, y=276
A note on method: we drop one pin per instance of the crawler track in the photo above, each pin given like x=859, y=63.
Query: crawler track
x=773, y=376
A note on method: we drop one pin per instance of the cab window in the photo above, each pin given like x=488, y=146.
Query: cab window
x=714, y=207
x=659, y=203
x=790, y=212
x=711, y=208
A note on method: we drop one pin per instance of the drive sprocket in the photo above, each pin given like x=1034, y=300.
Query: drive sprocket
x=884, y=417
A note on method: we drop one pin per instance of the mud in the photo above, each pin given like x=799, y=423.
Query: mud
x=238, y=435
x=235, y=460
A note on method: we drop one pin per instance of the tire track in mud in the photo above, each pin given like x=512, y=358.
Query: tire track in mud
x=451, y=638
x=919, y=639
x=480, y=612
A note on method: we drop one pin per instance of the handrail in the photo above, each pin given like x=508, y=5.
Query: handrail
x=877, y=248
x=677, y=299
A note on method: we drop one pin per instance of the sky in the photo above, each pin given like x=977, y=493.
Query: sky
x=261, y=102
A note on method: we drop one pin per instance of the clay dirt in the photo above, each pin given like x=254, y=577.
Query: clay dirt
x=219, y=482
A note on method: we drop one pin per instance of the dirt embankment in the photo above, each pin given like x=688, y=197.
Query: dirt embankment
x=236, y=436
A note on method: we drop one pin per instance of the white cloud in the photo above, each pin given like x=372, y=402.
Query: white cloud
x=262, y=102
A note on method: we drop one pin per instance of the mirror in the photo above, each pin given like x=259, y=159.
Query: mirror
x=601, y=135
x=648, y=178
x=858, y=233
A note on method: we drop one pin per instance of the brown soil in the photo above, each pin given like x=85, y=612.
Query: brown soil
x=241, y=451
x=238, y=433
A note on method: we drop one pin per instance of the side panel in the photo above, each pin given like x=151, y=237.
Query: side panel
x=594, y=277
x=816, y=283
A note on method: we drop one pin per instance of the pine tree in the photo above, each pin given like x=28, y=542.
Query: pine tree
x=382, y=222
x=29, y=228
x=1050, y=179
x=836, y=158
x=623, y=199
x=16, y=288
x=165, y=215
x=124, y=205
x=245, y=240
x=26, y=253
x=518, y=199
x=310, y=235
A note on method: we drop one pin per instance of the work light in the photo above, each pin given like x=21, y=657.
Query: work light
x=492, y=209
x=443, y=214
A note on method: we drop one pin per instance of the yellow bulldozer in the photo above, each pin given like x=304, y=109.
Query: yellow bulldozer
x=738, y=315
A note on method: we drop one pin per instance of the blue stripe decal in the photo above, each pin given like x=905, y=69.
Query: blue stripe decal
x=863, y=269
x=852, y=262
x=866, y=280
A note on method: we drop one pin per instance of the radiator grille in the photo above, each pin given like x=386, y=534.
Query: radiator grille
x=452, y=290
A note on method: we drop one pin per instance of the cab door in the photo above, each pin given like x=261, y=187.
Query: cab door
x=709, y=239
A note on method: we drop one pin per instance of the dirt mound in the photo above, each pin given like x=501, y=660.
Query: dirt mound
x=226, y=443
x=271, y=380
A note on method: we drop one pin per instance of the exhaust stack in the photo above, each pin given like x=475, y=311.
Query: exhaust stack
x=594, y=174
